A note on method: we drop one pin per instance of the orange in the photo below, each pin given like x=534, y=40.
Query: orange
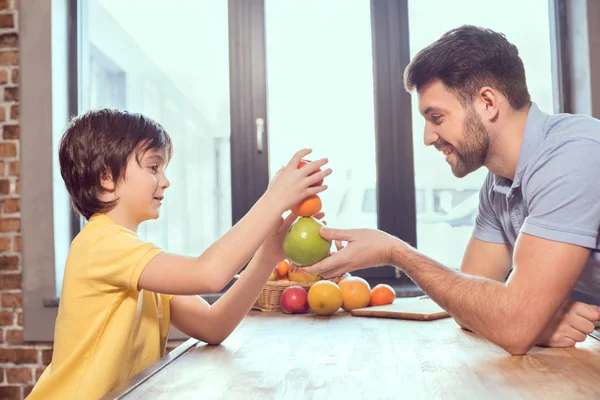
x=382, y=294
x=324, y=297
x=302, y=163
x=283, y=268
x=308, y=207
x=356, y=293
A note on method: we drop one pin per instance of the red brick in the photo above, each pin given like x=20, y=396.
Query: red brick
x=13, y=336
x=4, y=186
x=19, y=375
x=9, y=58
x=10, y=392
x=2, y=114
x=10, y=224
x=46, y=356
x=38, y=373
x=6, y=21
x=6, y=317
x=17, y=243
x=9, y=263
x=12, y=300
x=11, y=94
x=15, y=75
x=5, y=243
x=20, y=318
x=13, y=168
x=9, y=40
x=10, y=281
x=16, y=4
x=4, y=4
x=27, y=388
x=9, y=132
x=14, y=112
x=8, y=150
x=11, y=206
x=3, y=77
x=18, y=356
x=2, y=169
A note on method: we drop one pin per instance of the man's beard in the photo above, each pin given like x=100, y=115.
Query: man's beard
x=472, y=152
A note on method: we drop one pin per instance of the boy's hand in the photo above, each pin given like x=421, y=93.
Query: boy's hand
x=292, y=185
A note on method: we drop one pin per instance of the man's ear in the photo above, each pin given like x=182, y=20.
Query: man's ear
x=107, y=182
x=488, y=103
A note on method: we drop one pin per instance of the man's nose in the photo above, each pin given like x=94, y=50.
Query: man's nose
x=429, y=137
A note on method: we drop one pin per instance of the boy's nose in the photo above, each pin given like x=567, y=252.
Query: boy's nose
x=165, y=183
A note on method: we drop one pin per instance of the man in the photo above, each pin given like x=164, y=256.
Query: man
x=539, y=212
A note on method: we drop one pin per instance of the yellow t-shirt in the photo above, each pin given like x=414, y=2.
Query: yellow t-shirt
x=106, y=330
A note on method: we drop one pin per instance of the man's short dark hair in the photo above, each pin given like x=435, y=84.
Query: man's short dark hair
x=468, y=58
x=100, y=142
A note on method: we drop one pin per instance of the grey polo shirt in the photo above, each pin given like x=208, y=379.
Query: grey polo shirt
x=555, y=194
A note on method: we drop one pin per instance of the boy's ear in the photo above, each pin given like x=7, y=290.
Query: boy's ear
x=107, y=182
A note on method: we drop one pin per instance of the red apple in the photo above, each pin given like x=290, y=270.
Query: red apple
x=294, y=300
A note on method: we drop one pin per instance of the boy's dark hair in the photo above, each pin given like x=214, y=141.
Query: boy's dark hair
x=468, y=58
x=101, y=142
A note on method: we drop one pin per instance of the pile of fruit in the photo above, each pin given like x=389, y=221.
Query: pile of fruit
x=288, y=271
x=326, y=298
x=303, y=246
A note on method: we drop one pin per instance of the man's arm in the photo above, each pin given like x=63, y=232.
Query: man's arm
x=487, y=260
x=514, y=314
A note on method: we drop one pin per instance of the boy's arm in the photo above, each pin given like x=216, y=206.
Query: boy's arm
x=209, y=273
x=212, y=324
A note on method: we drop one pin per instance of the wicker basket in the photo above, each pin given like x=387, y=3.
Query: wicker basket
x=268, y=300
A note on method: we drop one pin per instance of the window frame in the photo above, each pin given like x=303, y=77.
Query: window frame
x=395, y=192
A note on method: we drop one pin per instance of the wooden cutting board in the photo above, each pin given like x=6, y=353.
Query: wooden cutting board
x=421, y=309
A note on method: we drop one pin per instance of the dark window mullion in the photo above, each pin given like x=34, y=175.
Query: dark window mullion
x=73, y=37
x=561, y=59
x=249, y=167
x=393, y=125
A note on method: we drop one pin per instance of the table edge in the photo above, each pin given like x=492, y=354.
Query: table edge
x=131, y=384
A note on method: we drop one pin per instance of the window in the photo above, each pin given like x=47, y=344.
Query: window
x=320, y=95
x=337, y=88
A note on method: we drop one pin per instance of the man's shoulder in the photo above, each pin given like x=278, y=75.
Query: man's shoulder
x=565, y=128
x=568, y=140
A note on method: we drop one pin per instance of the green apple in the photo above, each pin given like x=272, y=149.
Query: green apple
x=302, y=243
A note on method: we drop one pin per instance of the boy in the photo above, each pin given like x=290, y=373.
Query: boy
x=120, y=293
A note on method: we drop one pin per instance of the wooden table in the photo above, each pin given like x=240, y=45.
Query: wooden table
x=276, y=356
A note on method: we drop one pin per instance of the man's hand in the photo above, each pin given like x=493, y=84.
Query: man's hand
x=570, y=325
x=365, y=248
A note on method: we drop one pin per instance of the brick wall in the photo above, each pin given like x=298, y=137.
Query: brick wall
x=20, y=363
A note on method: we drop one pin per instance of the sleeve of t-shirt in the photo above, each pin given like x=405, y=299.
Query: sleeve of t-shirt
x=118, y=258
x=487, y=225
x=562, y=194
